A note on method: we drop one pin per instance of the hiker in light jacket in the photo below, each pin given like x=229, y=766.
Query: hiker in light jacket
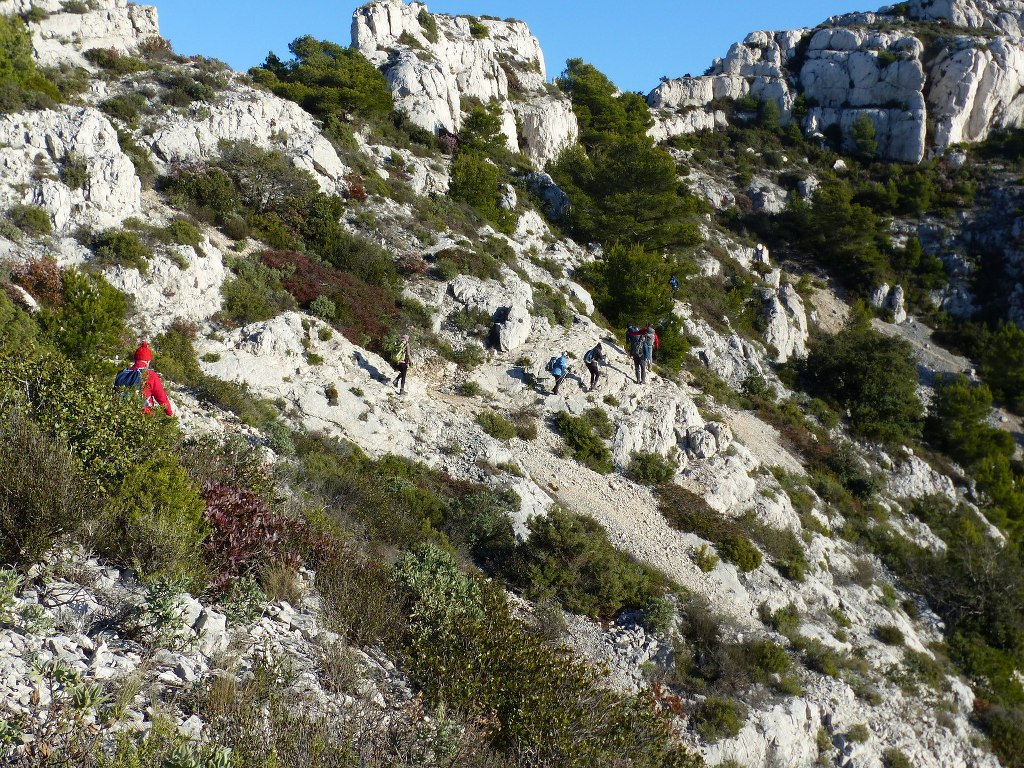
x=404, y=358
x=560, y=369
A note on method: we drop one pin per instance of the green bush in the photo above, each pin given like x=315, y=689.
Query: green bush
x=157, y=523
x=858, y=733
x=570, y=558
x=30, y=219
x=582, y=443
x=474, y=181
x=477, y=28
x=89, y=325
x=889, y=634
x=113, y=61
x=118, y=247
x=127, y=107
x=140, y=158
x=650, y=468
x=44, y=496
x=21, y=85
x=785, y=621
x=323, y=308
x=688, y=512
x=327, y=80
x=428, y=25
x=871, y=375
x=496, y=425
x=717, y=718
x=895, y=758
x=254, y=293
x=74, y=171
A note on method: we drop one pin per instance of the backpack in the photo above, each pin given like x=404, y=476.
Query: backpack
x=637, y=346
x=650, y=336
x=550, y=367
x=129, y=381
x=393, y=349
x=589, y=357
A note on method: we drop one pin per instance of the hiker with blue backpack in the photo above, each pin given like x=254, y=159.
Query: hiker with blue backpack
x=559, y=368
x=592, y=358
x=144, y=380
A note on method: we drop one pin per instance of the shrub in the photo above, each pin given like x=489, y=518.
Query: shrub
x=525, y=422
x=254, y=293
x=569, y=557
x=21, y=85
x=474, y=181
x=31, y=219
x=89, y=324
x=157, y=522
x=43, y=493
x=705, y=558
x=328, y=80
x=582, y=444
x=428, y=25
x=496, y=425
x=74, y=171
x=246, y=536
x=785, y=621
x=323, y=308
x=140, y=158
x=889, y=634
x=658, y=615
x=477, y=28
x=650, y=468
x=895, y=758
x=717, y=718
x=118, y=247
x=687, y=511
x=113, y=61
x=871, y=375
x=858, y=733
x=469, y=357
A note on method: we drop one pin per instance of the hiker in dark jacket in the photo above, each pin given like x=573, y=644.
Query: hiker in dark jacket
x=592, y=358
x=635, y=347
x=147, y=381
x=674, y=283
x=404, y=358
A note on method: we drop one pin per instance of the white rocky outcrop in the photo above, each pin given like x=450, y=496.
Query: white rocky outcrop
x=429, y=78
x=246, y=114
x=185, y=285
x=63, y=36
x=650, y=426
x=34, y=146
x=1006, y=16
x=786, y=323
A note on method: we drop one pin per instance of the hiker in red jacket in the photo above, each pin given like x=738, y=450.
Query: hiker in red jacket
x=147, y=381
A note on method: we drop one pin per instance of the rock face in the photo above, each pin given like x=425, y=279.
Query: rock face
x=246, y=114
x=64, y=36
x=858, y=67
x=433, y=61
x=36, y=148
x=786, y=323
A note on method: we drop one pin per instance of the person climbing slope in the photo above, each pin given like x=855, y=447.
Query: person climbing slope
x=140, y=377
x=674, y=285
x=559, y=368
x=651, y=343
x=404, y=360
x=593, y=358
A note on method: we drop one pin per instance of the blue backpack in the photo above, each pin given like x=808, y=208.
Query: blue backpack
x=129, y=381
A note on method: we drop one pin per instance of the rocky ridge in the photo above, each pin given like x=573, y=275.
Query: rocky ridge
x=963, y=77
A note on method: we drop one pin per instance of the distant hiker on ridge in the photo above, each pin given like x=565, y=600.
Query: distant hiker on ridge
x=143, y=379
x=592, y=358
x=674, y=284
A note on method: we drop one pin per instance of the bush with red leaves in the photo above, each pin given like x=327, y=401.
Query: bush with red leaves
x=41, y=278
x=354, y=188
x=245, y=533
x=366, y=313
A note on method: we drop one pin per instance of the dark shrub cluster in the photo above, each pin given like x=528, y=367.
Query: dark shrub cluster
x=689, y=512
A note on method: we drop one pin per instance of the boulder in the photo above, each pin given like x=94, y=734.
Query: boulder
x=514, y=329
x=785, y=323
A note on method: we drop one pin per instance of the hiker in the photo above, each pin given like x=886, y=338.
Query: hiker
x=635, y=345
x=559, y=368
x=592, y=358
x=651, y=343
x=404, y=357
x=674, y=283
x=145, y=380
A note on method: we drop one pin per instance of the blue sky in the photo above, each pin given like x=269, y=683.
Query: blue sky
x=634, y=43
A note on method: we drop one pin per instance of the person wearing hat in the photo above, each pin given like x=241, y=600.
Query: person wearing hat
x=144, y=379
x=404, y=361
x=560, y=370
